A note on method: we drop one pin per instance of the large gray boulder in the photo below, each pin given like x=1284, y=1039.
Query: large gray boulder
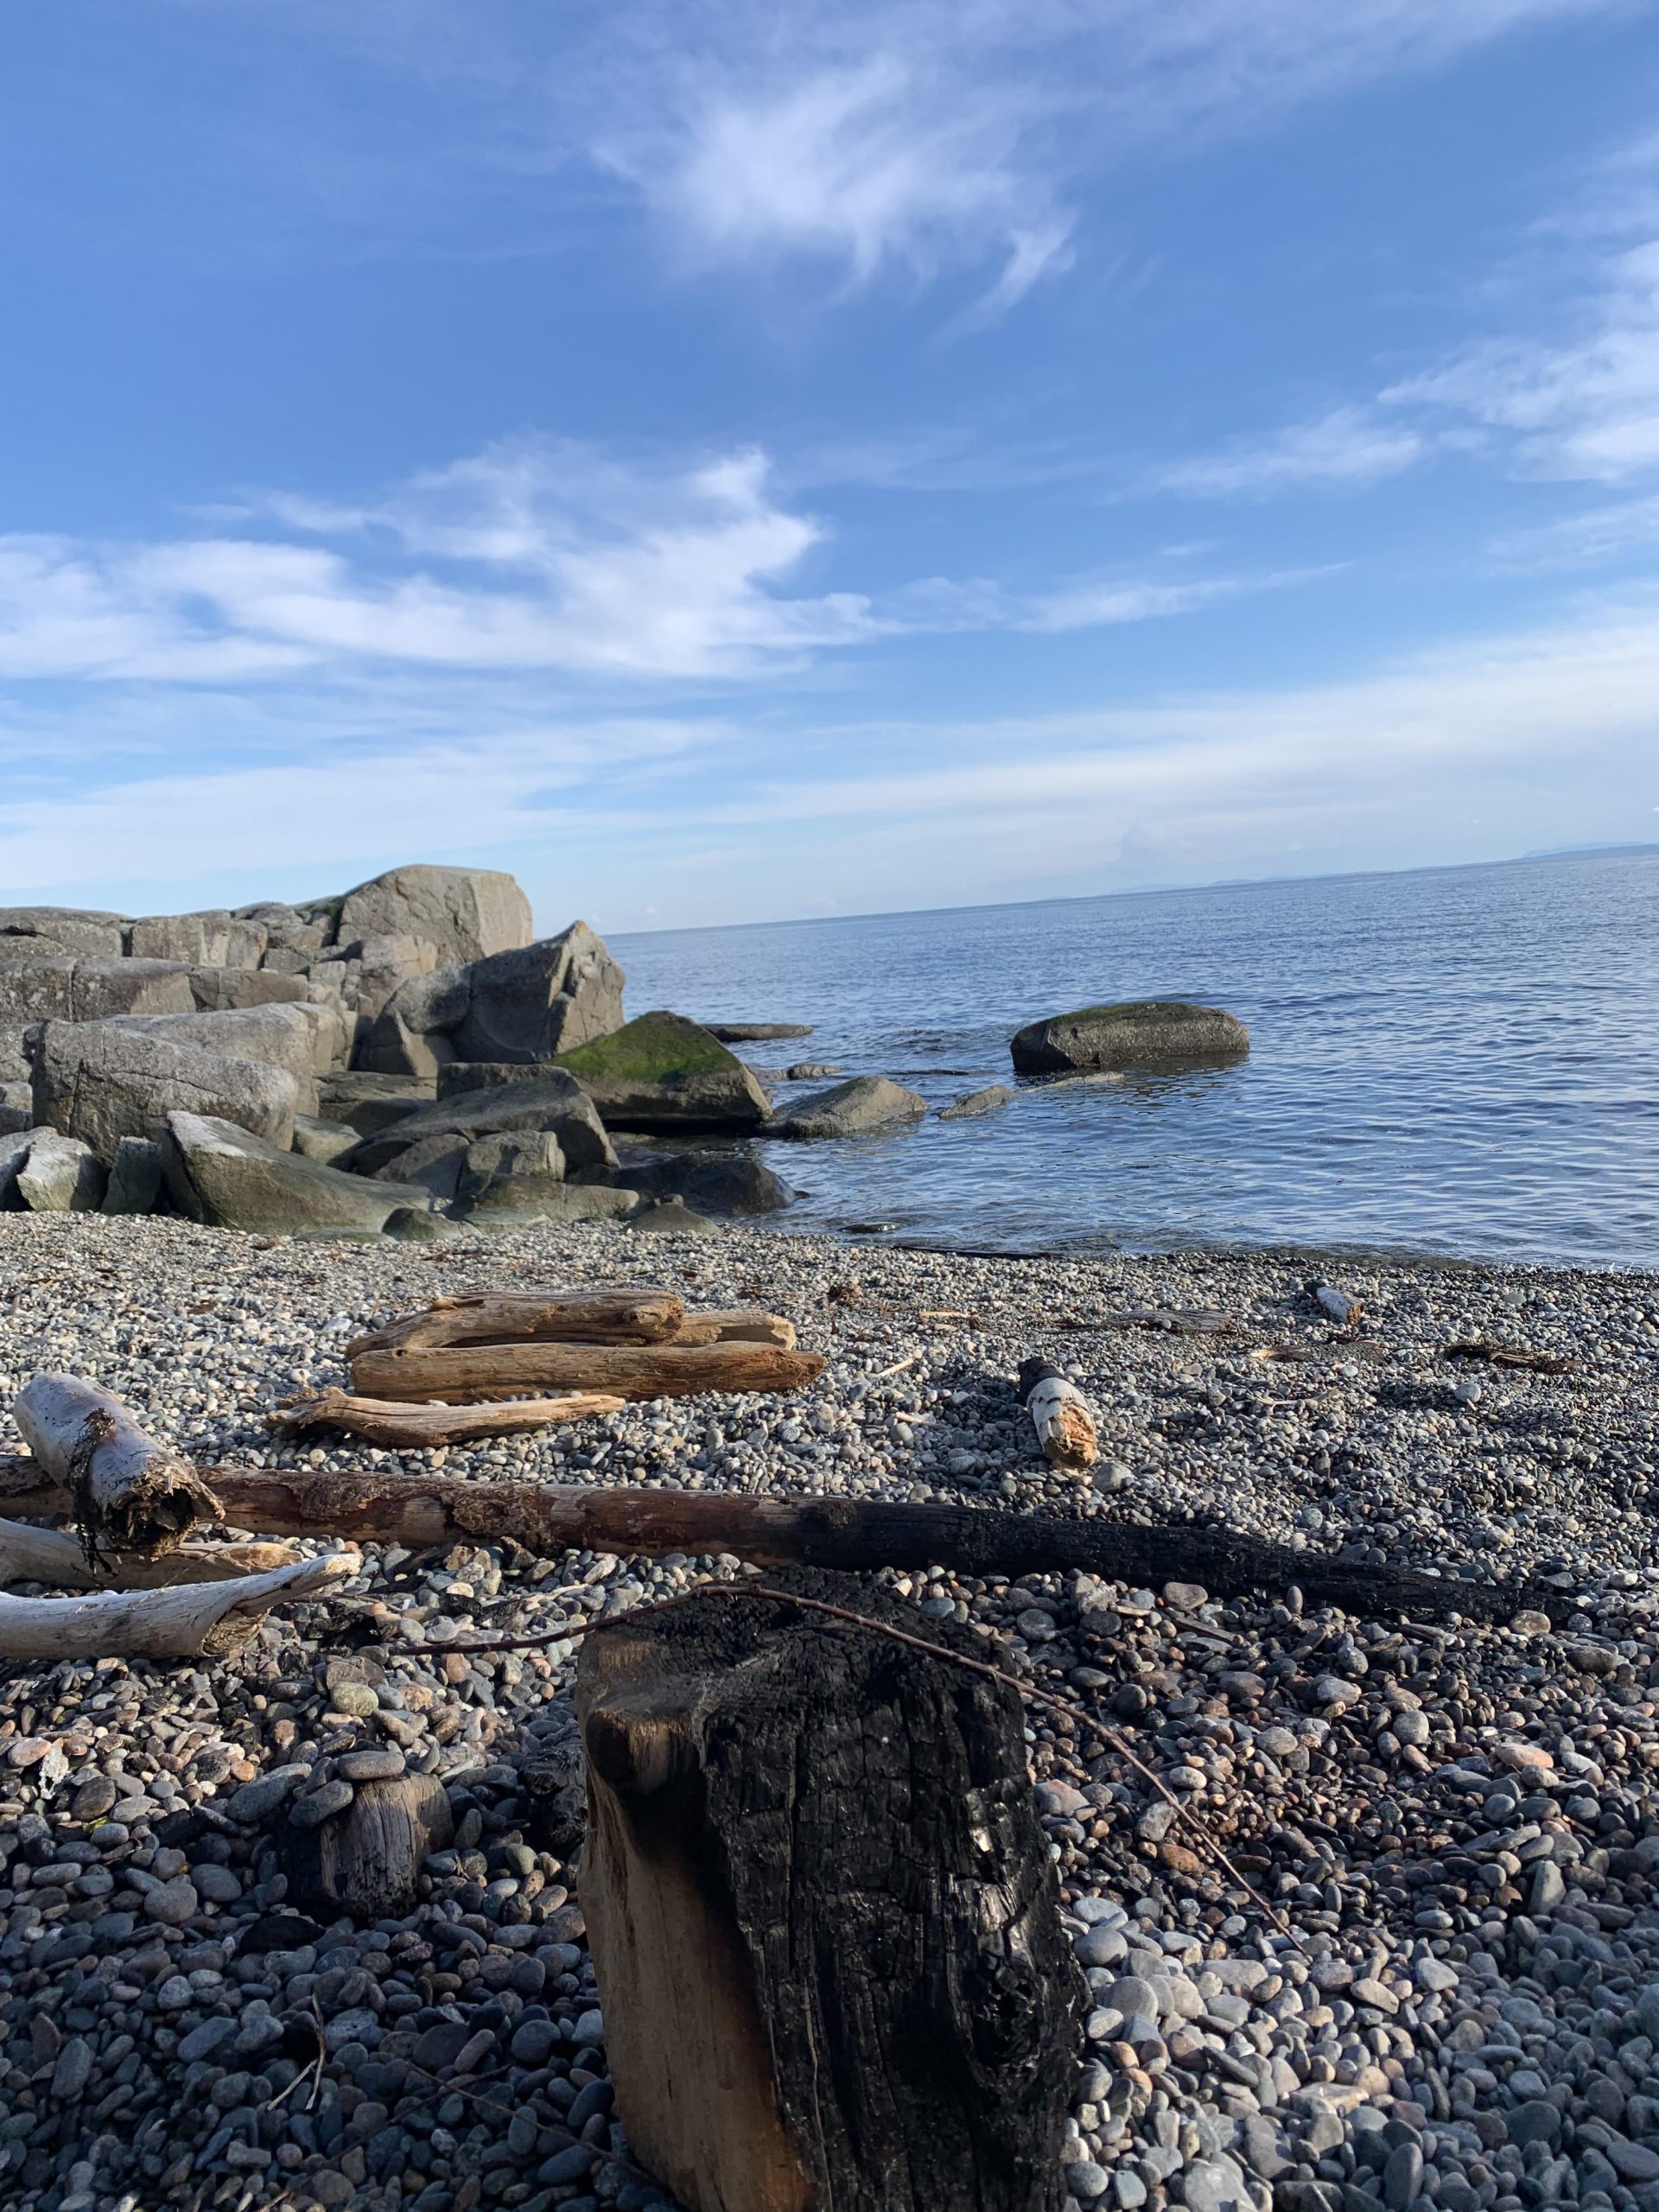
x=70, y=989
x=661, y=1072
x=224, y=990
x=14, y=1151
x=293, y=940
x=366, y=973
x=103, y=1081
x=463, y=914
x=513, y=1171
x=1137, y=1034
x=731, y=1181
x=525, y=1006
x=303, y=1038
x=369, y=1102
x=862, y=1107
x=61, y=1175
x=223, y=1175
x=135, y=1184
x=555, y=1102
x=45, y=932
x=213, y=938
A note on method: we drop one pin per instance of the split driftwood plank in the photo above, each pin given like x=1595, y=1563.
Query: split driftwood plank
x=205, y=1619
x=761, y=2059
x=830, y=1532
x=390, y=1420
x=129, y=1493
x=54, y=1555
x=599, y=1317
x=464, y=1373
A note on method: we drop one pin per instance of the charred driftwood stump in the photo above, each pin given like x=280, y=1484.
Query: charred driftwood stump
x=823, y=1914
x=365, y=1859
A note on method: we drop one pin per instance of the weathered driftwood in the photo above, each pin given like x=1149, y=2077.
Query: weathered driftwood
x=366, y=1861
x=54, y=1555
x=736, y=1325
x=464, y=1373
x=600, y=1316
x=388, y=1421
x=196, y=1620
x=822, y=1916
x=1059, y=1414
x=128, y=1492
x=831, y=1532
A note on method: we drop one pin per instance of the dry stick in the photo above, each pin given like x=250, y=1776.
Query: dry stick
x=1069, y=1707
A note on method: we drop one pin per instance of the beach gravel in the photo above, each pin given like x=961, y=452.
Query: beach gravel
x=1458, y=1826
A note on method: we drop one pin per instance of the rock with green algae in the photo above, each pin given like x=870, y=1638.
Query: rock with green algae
x=661, y=1071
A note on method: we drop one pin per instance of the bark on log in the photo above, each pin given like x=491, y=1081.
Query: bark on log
x=386, y=1421
x=366, y=1861
x=822, y=1916
x=599, y=1317
x=831, y=1532
x=466, y=1373
x=200, y=1620
x=54, y=1555
x=129, y=1492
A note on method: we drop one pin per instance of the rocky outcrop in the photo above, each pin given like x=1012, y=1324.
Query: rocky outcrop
x=663, y=1072
x=102, y=1080
x=523, y=1006
x=221, y=1174
x=225, y=990
x=1137, y=1033
x=213, y=938
x=463, y=914
x=48, y=933
x=294, y=1038
x=369, y=1104
x=555, y=1102
x=324, y=1140
x=862, y=1107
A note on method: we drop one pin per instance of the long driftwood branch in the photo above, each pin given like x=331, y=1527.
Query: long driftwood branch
x=54, y=1555
x=386, y=1421
x=203, y=1620
x=598, y=1317
x=435, y=1509
x=461, y=1374
x=129, y=1492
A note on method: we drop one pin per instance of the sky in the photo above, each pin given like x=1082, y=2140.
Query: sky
x=727, y=460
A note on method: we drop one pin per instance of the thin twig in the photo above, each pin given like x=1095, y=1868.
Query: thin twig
x=1069, y=1707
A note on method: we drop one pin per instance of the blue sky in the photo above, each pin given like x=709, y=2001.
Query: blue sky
x=740, y=460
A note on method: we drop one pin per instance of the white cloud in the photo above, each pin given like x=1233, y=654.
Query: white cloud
x=1347, y=450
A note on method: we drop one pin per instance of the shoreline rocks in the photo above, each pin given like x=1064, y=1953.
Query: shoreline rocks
x=662, y=1072
x=1137, y=1033
x=866, y=1105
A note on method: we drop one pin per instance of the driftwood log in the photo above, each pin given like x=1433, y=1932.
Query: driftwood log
x=386, y=1421
x=129, y=1493
x=822, y=1916
x=54, y=1555
x=1059, y=1414
x=463, y=1373
x=366, y=1859
x=832, y=1532
x=493, y=1317
x=204, y=1619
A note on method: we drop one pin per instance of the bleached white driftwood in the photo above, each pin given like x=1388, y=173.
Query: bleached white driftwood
x=1059, y=1414
x=205, y=1619
x=129, y=1493
x=29, y=1554
x=1337, y=1304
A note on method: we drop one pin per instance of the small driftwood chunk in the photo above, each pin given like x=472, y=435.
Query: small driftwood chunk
x=1517, y=1356
x=388, y=1421
x=599, y=1317
x=198, y=1620
x=1340, y=1305
x=366, y=1861
x=823, y=1918
x=54, y=1555
x=1059, y=1414
x=463, y=1374
x=129, y=1493
x=737, y=1325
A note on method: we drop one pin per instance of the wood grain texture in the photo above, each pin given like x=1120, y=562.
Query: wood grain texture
x=604, y=1317
x=461, y=1374
x=386, y=1421
x=366, y=1861
x=823, y=1915
x=129, y=1492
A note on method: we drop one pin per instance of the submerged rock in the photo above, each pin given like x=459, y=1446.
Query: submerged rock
x=1138, y=1033
x=991, y=1100
x=859, y=1108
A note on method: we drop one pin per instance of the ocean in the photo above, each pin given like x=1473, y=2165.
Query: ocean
x=1453, y=1061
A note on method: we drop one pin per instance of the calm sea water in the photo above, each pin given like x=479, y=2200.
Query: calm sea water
x=1461, y=1061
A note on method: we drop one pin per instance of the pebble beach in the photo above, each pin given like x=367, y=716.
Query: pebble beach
x=1456, y=2005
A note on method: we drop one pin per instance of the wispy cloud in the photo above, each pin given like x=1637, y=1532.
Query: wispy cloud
x=1347, y=450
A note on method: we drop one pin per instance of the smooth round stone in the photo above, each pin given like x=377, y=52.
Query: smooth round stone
x=320, y=1804
x=174, y=1903
x=355, y=1698
x=1086, y=2180
x=1101, y=1947
x=375, y=1763
x=1536, y=2121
